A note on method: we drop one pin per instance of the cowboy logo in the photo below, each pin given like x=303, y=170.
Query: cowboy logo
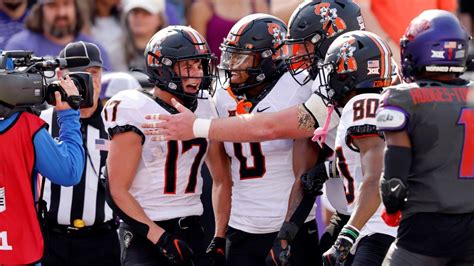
x=345, y=58
x=329, y=19
x=278, y=35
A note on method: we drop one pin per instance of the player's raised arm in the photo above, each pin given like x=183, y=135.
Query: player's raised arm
x=294, y=122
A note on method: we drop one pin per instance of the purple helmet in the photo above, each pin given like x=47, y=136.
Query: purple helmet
x=434, y=41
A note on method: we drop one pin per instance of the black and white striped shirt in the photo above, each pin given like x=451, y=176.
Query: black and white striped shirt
x=86, y=200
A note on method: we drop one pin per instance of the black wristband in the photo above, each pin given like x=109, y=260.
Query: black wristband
x=288, y=231
x=74, y=101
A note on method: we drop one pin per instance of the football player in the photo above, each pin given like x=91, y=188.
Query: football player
x=155, y=186
x=299, y=120
x=429, y=167
x=357, y=66
x=310, y=34
x=307, y=39
x=257, y=81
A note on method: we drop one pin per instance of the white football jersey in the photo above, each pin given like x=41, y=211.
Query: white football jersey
x=168, y=182
x=262, y=173
x=357, y=120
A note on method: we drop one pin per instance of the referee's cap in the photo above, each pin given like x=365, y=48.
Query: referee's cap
x=83, y=49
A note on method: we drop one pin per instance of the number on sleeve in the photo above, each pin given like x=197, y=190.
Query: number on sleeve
x=114, y=105
x=466, y=169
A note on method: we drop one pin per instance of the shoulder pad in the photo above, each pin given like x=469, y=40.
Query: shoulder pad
x=318, y=110
x=206, y=107
x=391, y=118
x=125, y=109
x=130, y=99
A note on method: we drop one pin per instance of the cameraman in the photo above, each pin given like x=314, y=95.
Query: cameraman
x=81, y=227
x=27, y=149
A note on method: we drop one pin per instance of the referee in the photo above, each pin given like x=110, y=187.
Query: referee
x=80, y=226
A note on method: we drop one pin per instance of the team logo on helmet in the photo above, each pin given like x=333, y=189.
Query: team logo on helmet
x=416, y=27
x=278, y=35
x=330, y=19
x=345, y=57
x=154, y=47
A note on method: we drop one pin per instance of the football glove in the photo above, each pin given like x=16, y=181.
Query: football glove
x=338, y=253
x=176, y=251
x=392, y=219
x=284, y=256
x=216, y=251
x=313, y=180
x=394, y=193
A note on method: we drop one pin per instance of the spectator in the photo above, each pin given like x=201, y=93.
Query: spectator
x=176, y=11
x=392, y=27
x=12, y=15
x=466, y=16
x=107, y=30
x=79, y=221
x=50, y=25
x=283, y=8
x=213, y=16
x=28, y=149
x=142, y=20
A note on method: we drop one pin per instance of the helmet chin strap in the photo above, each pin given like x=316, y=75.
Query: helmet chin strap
x=321, y=133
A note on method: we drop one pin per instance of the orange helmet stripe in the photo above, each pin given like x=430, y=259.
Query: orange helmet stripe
x=386, y=63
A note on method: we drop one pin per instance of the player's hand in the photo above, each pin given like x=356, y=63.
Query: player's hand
x=176, y=251
x=216, y=251
x=394, y=193
x=71, y=91
x=171, y=127
x=284, y=254
x=338, y=253
x=313, y=180
x=391, y=219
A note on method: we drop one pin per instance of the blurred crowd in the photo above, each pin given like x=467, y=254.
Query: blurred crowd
x=122, y=28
